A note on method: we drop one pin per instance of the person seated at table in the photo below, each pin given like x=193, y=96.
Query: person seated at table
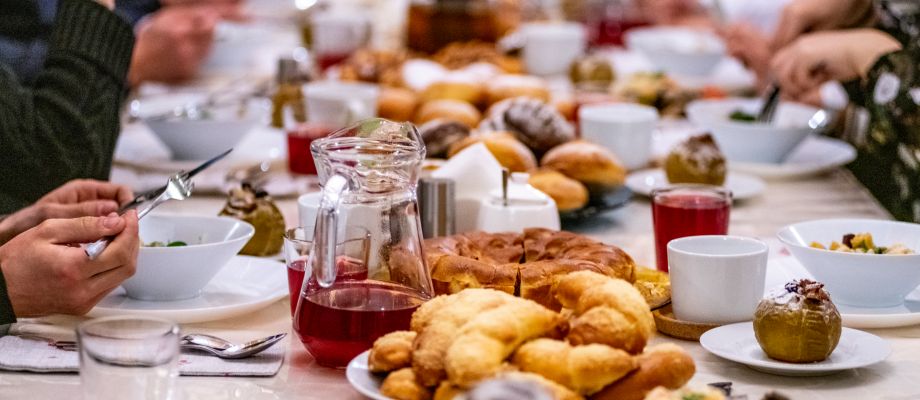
x=879, y=70
x=43, y=272
x=65, y=124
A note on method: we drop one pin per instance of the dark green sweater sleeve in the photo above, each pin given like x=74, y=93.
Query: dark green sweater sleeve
x=65, y=125
x=6, y=308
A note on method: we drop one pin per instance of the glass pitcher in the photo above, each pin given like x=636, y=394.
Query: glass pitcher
x=369, y=174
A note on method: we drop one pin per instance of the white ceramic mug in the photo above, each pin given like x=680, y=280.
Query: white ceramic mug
x=716, y=278
x=624, y=129
x=550, y=48
x=338, y=104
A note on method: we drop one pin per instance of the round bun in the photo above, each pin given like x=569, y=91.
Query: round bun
x=454, y=110
x=568, y=193
x=397, y=104
x=526, y=264
x=507, y=86
x=454, y=89
x=535, y=123
x=440, y=134
x=509, y=152
x=586, y=162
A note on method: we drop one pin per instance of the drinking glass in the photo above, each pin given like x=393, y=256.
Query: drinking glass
x=128, y=358
x=687, y=210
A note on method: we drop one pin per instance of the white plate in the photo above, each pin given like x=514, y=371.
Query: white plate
x=244, y=285
x=743, y=186
x=786, y=268
x=736, y=342
x=361, y=378
x=816, y=155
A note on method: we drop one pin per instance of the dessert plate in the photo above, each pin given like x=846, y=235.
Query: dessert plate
x=815, y=155
x=736, y=342
x=743, y=186
x=783, y=269
x=244, y=285
x=361, y=378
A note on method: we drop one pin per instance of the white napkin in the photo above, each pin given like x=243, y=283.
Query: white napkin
x=476, y=173
x=36, y=355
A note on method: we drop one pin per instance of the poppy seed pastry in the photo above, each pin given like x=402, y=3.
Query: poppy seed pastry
x=535, y=123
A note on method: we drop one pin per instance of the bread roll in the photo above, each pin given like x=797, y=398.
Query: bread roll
x=402, y=385
x=665, y=365
x=466, y=91
x=454, y=110
x=568, y=193
x=507, y=86
x=397, y=104
x=509, y=152
x=586, y=162
x=391, y=352
x=583, y=369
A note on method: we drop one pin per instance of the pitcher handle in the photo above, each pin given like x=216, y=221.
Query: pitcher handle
x=326, y=231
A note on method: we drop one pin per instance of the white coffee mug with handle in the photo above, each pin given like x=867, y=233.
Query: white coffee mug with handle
x=716, y=278
x=624, y=129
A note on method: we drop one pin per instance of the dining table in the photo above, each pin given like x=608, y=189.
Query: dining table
x=832, y=194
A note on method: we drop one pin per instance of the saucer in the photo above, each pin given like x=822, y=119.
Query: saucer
x=743, y=186
x=736, y=342
x=669, y=325
x=244, y=285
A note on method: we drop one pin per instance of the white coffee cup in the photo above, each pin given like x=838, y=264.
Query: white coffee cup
x=550, y=48
x=337, y=104
x=625, y=129
x=716, y=279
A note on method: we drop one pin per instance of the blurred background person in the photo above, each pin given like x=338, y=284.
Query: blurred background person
x=879, y=68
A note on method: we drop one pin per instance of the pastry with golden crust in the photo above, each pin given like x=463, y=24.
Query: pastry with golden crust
x=547, y=244
x=509, y=151
x=402, y=385
x=391, y=352
x=605, y=311
x=665, y=365
x=397, y=104
x=454, y=110
x=481, y=345
x=584, y=369
x=586, y=162
x=508, y=86
x=567, y=193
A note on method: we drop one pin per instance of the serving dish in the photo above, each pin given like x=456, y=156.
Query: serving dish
x=361, y=378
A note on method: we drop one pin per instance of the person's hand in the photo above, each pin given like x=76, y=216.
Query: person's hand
x=833, y=55
x=227, y=9
x=110, y=4
x=46, y=273
x=172, y=44
x=804, y=16
x=77, y=198
x=750, y=46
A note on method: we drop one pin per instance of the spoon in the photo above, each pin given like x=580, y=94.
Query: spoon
x=211, y=344
x=224, y=349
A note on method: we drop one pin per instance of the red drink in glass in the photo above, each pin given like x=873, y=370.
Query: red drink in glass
x=295, y=272
x=690, y=210
x=299, y=138
x=338, y=323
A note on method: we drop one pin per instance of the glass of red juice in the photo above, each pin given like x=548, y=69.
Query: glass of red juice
x=299, y=138
x=687, y=210
x=339, y=322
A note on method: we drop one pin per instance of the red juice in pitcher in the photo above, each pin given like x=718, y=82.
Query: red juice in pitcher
x=687, y=211
x=338, y=323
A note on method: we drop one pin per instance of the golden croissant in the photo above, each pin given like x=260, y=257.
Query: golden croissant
x=402, y=385
x=583, y=369
x=391, y=352
x=606, y=311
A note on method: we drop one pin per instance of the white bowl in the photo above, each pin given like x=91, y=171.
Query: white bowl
x=678, y=50
x=753, y=142
x=178, y=273
x=861, y=280
x=201, y=139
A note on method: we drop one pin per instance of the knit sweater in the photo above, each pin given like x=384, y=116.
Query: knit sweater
x=64, y=126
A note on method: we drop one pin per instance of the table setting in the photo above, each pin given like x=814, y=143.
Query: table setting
x=410, y=202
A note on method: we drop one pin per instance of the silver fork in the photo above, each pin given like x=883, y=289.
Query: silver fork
x=179, y=187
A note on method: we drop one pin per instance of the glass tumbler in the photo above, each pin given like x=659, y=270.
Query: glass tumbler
x=687, y=210
x=128, y=358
